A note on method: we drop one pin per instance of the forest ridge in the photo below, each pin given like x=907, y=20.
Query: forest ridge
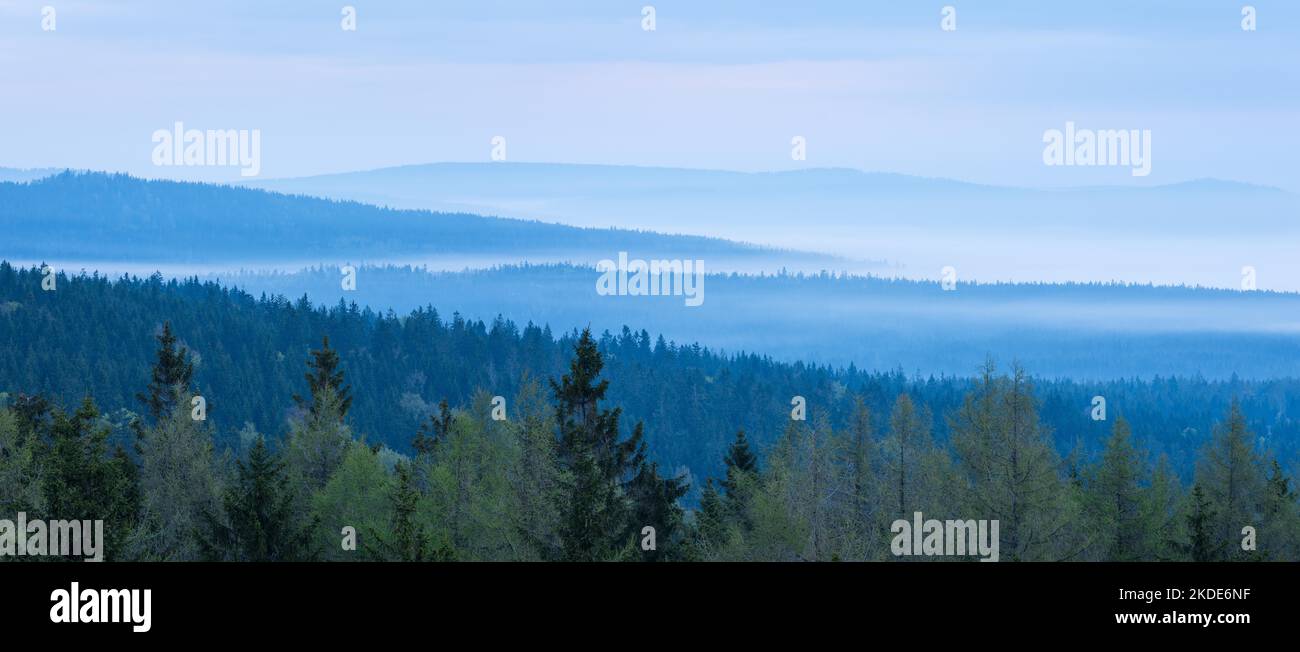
x=566, y=474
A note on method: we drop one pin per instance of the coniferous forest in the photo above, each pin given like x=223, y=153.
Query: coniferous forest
x=201, y=423
x=332, y=321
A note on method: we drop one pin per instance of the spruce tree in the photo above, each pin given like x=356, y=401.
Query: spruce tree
x=324, y=372
x=20, y=488
x=710, y=523
x=741, y=479
x=82, y=481
x=438, y=424
x=261, y=522
x=655, y=500
x=407, y=538
x=170, y=377
x=595, y=511
x=1202, y=541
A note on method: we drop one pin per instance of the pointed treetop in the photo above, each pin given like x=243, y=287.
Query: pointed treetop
x=325, y=373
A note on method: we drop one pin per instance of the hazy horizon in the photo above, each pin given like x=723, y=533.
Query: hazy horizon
x=714, y=86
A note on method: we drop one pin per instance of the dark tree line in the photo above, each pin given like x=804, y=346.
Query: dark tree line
x=92, y=336
x=391, y=436
x=556, y=480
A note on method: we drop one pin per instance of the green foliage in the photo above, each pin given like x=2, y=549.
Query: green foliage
x=1011, y=468
x=82, y=481
x=595, y=513
x=535, y=476
x=20, y=480
x=179, y=483
x=407, y=538
x=1230, y=473
x=741, y=480
x=566, y=479
x=318, y=440
x=656, y=506
x=1115, y=499
x=1279, y=535
x=1202, y=542
x=97, y=336
x=172, y=372
x=325, y=377
x=357, y=496
x=259, y=521
x=469, y=492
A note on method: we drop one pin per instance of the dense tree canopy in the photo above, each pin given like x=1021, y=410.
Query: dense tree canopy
x=363, y=466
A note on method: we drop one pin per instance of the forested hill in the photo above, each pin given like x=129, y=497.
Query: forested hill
x=94, y=336
x=97, y=217
x=1080, y=331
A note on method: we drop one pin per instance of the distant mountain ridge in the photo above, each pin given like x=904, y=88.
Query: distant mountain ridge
x=433, y=184
x=515, y=176
x=112, y=217
x=1198, y=232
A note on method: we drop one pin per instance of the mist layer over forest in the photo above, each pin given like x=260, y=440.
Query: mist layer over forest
x=1082, y=331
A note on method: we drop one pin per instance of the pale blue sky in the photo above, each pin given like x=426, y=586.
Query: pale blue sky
x=719, y=84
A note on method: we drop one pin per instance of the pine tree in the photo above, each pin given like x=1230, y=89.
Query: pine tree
x=261, y=521
x=595, y=512
x=655, y=500
x=739, y=459
x=20, y=471
x=439, y=424
x=324, y=373
x=1202, y=540
x=82, y=481
x=407, y=539
x=170, y=378
x=710, y=523
x=741, y=479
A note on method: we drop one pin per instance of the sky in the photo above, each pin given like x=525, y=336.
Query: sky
x=722, y=84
